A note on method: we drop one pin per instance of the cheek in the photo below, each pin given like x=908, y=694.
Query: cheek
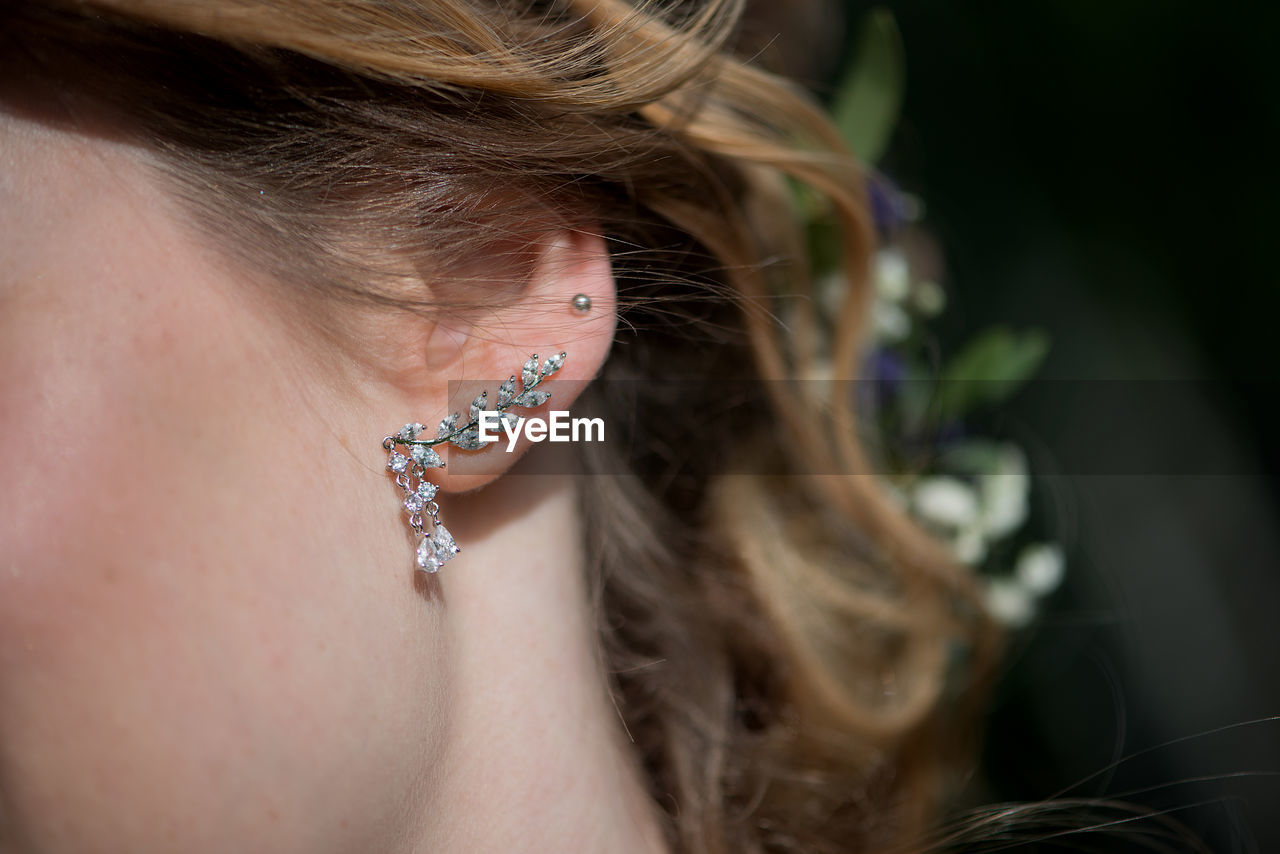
x=183, y=658
x=109, y=603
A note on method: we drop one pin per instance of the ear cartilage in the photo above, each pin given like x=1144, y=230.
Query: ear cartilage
x=410, y=465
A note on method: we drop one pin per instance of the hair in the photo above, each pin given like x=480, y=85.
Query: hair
x=798, y=664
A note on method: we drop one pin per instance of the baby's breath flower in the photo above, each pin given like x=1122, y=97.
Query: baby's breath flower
x=892, y=275
x=1004, y=494
x=945, y=501
x=889, y=321
x=1009, y=602
x=928, y=298
x=1039, y=568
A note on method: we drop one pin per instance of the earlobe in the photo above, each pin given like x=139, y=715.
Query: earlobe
x=567, y=311
x=413, y=454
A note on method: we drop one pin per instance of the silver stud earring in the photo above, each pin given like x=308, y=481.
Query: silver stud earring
x=410, y=466
x=582, y=303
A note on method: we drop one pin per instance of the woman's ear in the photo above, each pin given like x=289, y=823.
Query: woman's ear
x=461, y=354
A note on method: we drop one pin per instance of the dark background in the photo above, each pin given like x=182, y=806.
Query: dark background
x=1106, y=171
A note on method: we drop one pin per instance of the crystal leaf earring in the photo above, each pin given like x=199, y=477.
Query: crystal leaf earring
x=410, y=466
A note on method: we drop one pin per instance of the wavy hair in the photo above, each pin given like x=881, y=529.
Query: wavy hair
x=798, y=664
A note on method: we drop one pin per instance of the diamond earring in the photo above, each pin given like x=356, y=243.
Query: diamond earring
x=411, y=466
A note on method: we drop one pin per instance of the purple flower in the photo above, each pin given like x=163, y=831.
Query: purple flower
x=882, y=374
x=888, y=209
x=885, y=367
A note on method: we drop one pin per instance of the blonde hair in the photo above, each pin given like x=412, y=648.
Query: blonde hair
x=799, y=665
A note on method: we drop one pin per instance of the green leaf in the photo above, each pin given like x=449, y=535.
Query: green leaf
x=989, y=369
x=868, y=99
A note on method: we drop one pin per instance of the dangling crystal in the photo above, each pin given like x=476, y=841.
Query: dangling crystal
x=442, y=542
x=416, y=500
x=427, y=559
x=398, y=462
x=426, y=456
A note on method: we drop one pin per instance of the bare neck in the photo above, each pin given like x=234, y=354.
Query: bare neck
x=533, y=756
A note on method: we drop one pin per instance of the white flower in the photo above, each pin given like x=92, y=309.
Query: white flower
x=889, y=321
x=1009, y=602
x=1039, y=568
x=929, y=298
x=969, y=546
x=892, y=275
x=945, y=501
x=1004, y=494
x=831, y=289
x=972, y=517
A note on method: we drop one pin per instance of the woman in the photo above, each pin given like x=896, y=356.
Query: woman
x=243, y=242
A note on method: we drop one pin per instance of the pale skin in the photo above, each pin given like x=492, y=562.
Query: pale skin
x=212, y=635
